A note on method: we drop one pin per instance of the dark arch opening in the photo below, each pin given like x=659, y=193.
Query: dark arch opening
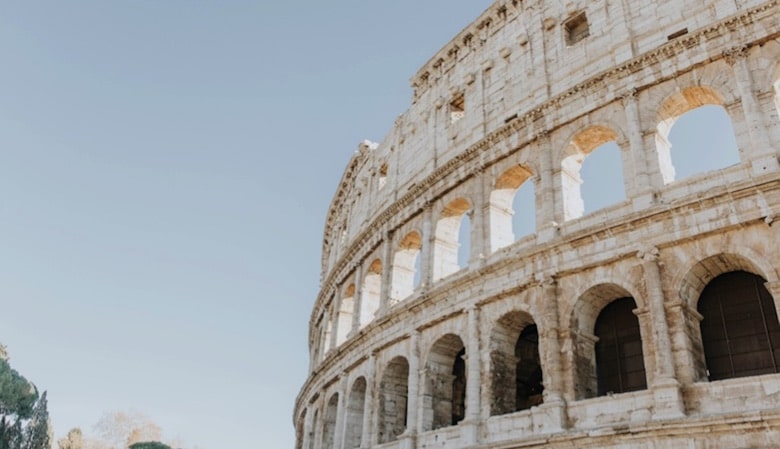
x=740, y=331
x=620, y=365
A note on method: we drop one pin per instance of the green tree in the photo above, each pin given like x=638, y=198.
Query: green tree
x=149, y=445
x=38, y=433
x=17, y=400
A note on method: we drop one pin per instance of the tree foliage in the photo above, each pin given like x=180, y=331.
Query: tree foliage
x=149, y=445
x=24, y=418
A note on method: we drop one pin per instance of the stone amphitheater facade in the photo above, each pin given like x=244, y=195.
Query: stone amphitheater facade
x=651, y=323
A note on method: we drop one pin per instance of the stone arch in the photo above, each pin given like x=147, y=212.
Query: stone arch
x=671, y=110
x=355, y=413
x=705, y=270
x=370, y=294
x=444, y=397
x=516, y=371
x=446, y=243
x=405, y=266
x=393, y=400
x=346, y=311
x=583, y=320
x=329, y=421
x=501, y=205
x=578, y=148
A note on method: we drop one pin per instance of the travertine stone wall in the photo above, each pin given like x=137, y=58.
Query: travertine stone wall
x=523, y=95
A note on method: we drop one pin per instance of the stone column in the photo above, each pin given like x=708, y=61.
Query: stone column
x=335, y=319
x=334, y=322
x=666, y=389
x=480, y=234
x=387, y=272
x=546, y=205
x=642, y=192
x=426, y=254
x=358, y=268
x=413, y=424
x=473, y=378
x=338, y=432
x=763, y=157
x=552, y=367
x=368, y=405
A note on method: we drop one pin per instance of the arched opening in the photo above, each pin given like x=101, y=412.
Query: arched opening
x=444, y=401
x=512, y=207
x=372, y=285
x=393, y=400
x=516, y=368
x=446, y=251
x=694, y=134
x=739, y=329
x=620, y=362
x=355, y=412
x=329, y=423
x=346, y=310
x=597, y=184
x=405, y=266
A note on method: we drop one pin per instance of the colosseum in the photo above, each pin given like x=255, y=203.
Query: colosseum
x=651, y=322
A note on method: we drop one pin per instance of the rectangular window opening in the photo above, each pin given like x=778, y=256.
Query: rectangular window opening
x=457, y=108
x=576, y=28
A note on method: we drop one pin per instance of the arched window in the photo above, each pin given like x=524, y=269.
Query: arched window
x=393, y=400
x=444, y=401
x=739, y=329
x=599, y=183
x=405, y=266
x=329, y=423
x=694, y=135
x=528, y=371
x=516, y=368
x=372, y=285
x=620, y=365
x=346, y=310
x=512, y=207
x=355, y=412
x=448, y=240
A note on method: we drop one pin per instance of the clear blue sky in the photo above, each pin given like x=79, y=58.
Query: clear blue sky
x=165, y=168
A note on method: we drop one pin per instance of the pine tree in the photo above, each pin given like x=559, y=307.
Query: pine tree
x=38, y=433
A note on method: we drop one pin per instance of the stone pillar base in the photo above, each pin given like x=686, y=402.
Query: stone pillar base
x=643, y=200
x=407, y=441
x=668, y=402
x=469, y=431
x=764, y=164
x=550, y=417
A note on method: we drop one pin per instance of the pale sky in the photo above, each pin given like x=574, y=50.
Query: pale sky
x=165, y=169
